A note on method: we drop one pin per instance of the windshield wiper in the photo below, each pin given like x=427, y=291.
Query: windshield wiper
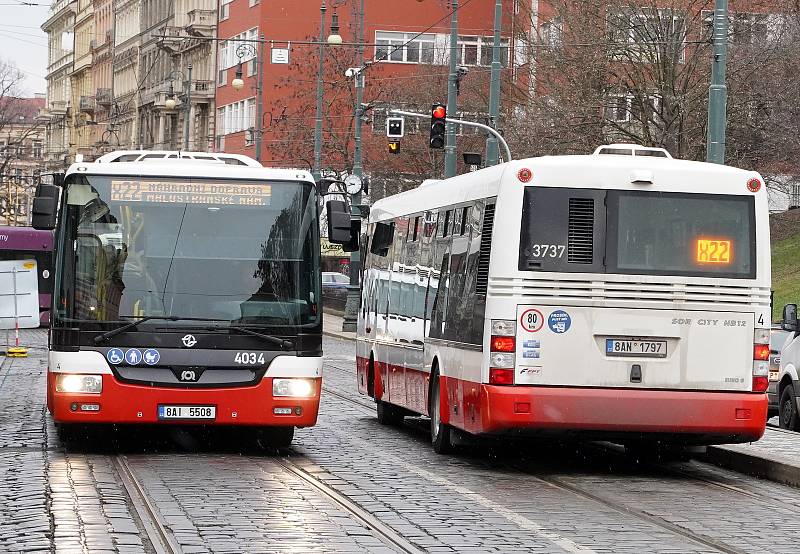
x=282, y=343
x=119, y=330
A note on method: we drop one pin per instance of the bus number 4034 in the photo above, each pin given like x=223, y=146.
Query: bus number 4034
x=249, y=358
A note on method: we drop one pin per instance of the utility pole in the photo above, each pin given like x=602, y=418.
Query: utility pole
x=260, y=99
x=492, y=155
x=354, y=288
x=452, y=95
x=187, y=110
x=718, y=92
x=317, y=170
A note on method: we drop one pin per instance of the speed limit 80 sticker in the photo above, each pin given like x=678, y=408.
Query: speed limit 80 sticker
x=532, y=320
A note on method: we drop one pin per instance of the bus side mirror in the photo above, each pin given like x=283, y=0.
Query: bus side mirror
x=789, y=322
x=355, y=232
x=45, y=208
x=338, y=222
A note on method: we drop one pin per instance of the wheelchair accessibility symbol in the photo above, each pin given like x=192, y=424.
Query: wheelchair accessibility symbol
x=115, y=356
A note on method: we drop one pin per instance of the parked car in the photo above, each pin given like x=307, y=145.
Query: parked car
x=777, y=338
x=334, y=289
x=788, y=382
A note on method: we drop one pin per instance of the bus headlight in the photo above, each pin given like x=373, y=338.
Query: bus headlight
x=74, y=383
x=292, y=387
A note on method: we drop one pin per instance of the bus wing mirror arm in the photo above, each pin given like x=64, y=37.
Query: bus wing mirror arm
x=789, y=322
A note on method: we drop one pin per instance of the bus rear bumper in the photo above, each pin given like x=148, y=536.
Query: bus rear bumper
x=708, y=416
x=124, y=403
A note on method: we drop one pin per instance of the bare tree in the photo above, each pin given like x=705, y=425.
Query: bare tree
x=639, y=72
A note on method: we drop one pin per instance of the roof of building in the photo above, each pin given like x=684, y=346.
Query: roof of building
x=20, y=111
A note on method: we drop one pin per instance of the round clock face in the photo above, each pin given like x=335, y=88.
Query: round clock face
x=353, y=183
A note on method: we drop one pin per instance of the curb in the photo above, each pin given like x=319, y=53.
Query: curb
x=757, y=466
x=338, y=335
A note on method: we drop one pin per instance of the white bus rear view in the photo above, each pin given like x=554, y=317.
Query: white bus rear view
x=624, y=297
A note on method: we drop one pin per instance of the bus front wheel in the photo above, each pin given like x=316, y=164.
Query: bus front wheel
x=277, y=437
x=388, y=414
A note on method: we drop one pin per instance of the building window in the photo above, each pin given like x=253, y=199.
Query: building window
x=224, y=9
x=647, y=33
x=476, y=50
x=227, y=49
x=37, y=149
x=618, y=108
x=404, y=47
x=236, y=117
x=553, y=34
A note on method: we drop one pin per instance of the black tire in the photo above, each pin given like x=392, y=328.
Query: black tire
x=787, y=408
x=71, y=432
x=441, y=434
x=388, y=414
x=277, y=437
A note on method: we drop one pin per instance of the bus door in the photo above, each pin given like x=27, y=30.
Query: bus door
x=396, y=322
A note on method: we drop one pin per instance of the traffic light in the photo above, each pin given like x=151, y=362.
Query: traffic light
x=394, y=127
x=438, y=125
x=394, y=147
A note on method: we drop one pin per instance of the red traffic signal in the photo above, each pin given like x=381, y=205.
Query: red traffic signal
x=438, y=125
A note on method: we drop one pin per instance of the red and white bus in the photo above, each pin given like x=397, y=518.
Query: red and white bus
x=187, y=291
x=622, y=295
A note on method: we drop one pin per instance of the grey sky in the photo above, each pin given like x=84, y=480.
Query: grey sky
x=23, y=43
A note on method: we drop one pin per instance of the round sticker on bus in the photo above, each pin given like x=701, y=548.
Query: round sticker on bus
x=524, y=175
x=532, y=320
x=29, y=265
x=754, y=185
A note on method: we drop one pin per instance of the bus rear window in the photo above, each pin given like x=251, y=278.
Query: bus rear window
x=637, y=232
x=680, y=234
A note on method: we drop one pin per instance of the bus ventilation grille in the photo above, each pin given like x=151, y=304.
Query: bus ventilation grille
x=486, y=246
x=580, y=238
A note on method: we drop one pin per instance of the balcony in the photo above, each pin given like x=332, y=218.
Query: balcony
x=202, y=23
x=173, y=39
x=103, y=97
x=59, y=107
x=86, y=104
x=202, y=91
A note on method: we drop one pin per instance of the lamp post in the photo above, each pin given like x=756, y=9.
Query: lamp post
x=718, y=92
x=334, y=39
x=243, y=51
x=354, y=288
x=452, y=95
x=492, y=150
x=187, y=100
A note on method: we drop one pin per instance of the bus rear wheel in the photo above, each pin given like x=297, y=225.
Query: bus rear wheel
x=277, y=437
x=440, y=432
x=388, y=414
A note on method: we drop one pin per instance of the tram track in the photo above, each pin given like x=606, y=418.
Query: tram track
x=153, y=523
x=380, y=530
x=698, y=539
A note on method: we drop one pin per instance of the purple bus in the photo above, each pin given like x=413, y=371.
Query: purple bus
x=25, y=243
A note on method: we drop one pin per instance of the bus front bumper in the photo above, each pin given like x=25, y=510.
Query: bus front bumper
x=135, y=404
x=706, y=416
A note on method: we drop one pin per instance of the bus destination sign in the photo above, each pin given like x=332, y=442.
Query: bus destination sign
x=172, y=192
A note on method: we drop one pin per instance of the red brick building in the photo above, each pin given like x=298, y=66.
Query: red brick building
x=411, y=37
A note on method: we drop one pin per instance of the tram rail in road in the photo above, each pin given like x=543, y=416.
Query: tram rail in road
x=155, y=527
x=607, y=448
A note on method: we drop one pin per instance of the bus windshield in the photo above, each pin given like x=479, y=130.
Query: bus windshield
x=237, y=251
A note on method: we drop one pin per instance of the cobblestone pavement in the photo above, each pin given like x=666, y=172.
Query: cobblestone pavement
x=217, y=492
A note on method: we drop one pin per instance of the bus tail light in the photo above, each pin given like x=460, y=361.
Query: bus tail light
x=503, y=344
x=502, y=347
x=501, y=376
x=760, y=360
x=760, y=376
x=761, y=352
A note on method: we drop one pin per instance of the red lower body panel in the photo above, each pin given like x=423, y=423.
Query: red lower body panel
x=125, y=403
x=621, y=410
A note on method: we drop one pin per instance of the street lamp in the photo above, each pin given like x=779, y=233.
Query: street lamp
x=244, y=50
x=333, y=39
x=187, y=100
x=247, y=50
